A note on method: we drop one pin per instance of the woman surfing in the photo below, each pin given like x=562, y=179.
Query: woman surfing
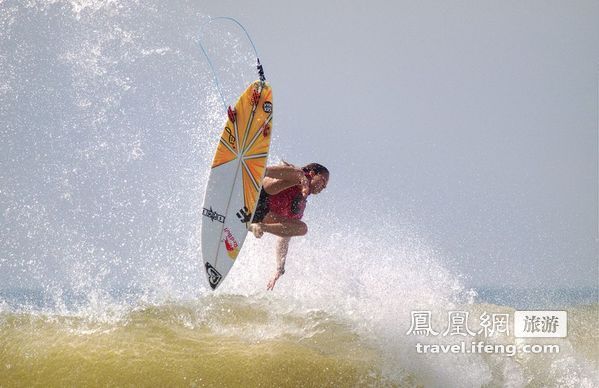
x=281, y=205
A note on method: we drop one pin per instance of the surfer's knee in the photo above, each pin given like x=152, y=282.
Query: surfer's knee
x=295, y=227
x=302, y=228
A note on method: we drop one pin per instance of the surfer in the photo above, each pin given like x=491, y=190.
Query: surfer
x=281, y=205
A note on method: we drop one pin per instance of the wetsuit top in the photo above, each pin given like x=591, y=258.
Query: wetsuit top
x=288, y=203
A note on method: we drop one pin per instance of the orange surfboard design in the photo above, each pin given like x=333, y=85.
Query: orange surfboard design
x=246, y=137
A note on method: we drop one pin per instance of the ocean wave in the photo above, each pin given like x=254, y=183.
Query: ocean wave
x=233, y=340
x=217, y=341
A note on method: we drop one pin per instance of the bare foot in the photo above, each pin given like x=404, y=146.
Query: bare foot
x=273, y=281
x=256, y=229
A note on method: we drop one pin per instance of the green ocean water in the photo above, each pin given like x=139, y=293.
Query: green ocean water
x=241, y=341
x=222, y=341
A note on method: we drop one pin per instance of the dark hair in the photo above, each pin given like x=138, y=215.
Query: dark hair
x=317, y=168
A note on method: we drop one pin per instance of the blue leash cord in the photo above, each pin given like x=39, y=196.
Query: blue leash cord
x=259, y=66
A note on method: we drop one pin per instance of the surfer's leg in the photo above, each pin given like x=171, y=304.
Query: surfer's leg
x=279, y=226
x=289, y=228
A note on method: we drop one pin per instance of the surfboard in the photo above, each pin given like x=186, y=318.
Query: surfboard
x=235, y=180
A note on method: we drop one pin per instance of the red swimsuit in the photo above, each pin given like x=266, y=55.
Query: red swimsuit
x=289, y=203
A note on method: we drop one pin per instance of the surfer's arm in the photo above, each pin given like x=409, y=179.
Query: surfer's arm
x=279, y=178
x=287, y=173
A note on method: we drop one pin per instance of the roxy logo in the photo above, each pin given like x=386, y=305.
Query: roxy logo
x=213, y=215
x=231, y=244
x=213, y=276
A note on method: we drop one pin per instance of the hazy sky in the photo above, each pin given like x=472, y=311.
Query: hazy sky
x=477, y=121
x=474, y=122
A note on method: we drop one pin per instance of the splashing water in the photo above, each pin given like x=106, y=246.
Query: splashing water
x=108, y=111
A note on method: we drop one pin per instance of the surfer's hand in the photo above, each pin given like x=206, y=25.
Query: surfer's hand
x=256, y=229
x=273, y=281
x=305, y=185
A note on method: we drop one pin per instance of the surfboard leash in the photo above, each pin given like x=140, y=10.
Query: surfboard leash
x=259, y=66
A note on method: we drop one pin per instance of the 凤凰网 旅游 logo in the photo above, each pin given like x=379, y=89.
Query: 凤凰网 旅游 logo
x=231, y=244
x=540, y=324
x=213, y=215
